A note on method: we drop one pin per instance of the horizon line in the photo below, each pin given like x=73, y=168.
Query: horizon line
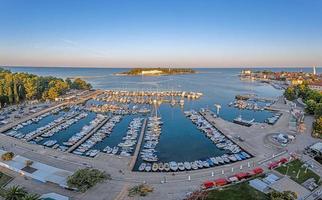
x=197, y=67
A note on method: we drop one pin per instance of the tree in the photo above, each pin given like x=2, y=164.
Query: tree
x=15, y=193
x=314, y=95
x=317, y=127
x=318, y=110
x=52, y=93
x=31, y=88
x=15, y=92
x=83, y=179
x=290, y=94
x=286, y=195
x=17, y=87
x=10, y=94
x=80, y=84
x=303, y=90
x=7, y=156
x=310, y=106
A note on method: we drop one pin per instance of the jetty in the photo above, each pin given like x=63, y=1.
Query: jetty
x=138, y=145
x=254, y=97
x=86, y=137
x=49, y=128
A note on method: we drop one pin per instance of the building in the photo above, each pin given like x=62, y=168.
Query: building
x=316, y=86
x=314, y=70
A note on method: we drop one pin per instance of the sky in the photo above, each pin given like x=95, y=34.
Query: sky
x=161, y=33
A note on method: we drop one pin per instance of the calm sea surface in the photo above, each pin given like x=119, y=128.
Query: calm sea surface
x=180, y=139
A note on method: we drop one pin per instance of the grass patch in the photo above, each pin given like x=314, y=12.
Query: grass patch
x=293, y=170
x=238, y=191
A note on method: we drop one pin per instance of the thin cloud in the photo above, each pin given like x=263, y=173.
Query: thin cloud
x=92, y=51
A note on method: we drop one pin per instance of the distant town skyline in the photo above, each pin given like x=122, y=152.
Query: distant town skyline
x=208, y=33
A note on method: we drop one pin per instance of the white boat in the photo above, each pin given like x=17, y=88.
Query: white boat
x=181, y=166
x=220, y=160
x=166, y=167
x=115, y=150
x=214, y=160
x=148, y=167
x=173, y=166
x=155, y=167
x=232, y=158
x=161, y=166
x=142, y=166
x=194, y=165
x=187, y=165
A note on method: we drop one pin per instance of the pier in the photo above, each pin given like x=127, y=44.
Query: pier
x=86, y=137
x=138, y=145
x=47, y=129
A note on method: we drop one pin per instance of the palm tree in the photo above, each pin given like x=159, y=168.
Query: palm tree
x=31, y=197
x=15, y=193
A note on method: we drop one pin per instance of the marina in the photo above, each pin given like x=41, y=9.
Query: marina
x=138, y=124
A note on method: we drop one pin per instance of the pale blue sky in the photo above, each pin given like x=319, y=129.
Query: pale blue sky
x=200, y=33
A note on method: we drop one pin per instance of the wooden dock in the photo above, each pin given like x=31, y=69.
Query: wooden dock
x=47, y=129
x=72, y=148
x=138, y=145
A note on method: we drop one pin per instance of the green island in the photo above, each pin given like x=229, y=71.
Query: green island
x=157, y=71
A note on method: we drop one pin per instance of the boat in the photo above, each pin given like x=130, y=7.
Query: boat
x=199, y=164
x=194, y=165
x=225, y=158
x=220, y=160
x=148, y=167
x=205, y=164
x=107, y=149
x=210, y=162
x=241, y=156
x=237, y=157
x=142, y=166
x=214, y=160
x=155, y=167
x=115, y=150
x=150, y=158
x=166, y=167
x=161, y=166
x=50, y=143
x=173, y=166
x=187, y=165
x=181, y=166
x=243, y=122
x=93, y=153
x=232, y=158
x=245, y=154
